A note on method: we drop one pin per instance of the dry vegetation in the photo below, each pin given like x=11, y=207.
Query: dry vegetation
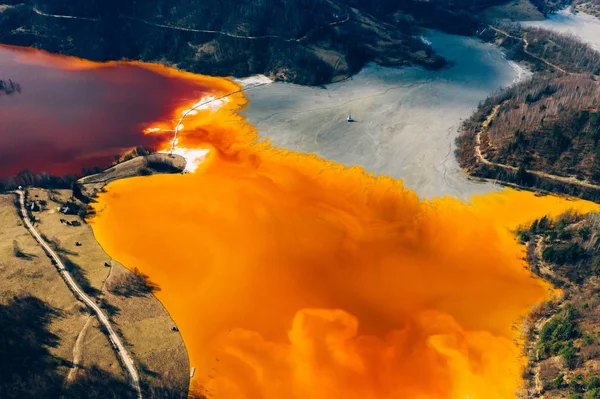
x=563, y=335
x=531, y=45
x=564, y=50
x=591, y=7
x=549, y=123
x=143, y=323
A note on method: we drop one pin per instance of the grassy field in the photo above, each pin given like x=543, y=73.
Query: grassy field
x=34, y=274
x=141, y=320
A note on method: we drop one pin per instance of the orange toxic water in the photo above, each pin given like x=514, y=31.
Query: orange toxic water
x=291, y=277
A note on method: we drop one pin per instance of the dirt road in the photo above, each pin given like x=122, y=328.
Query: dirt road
x=114, y=338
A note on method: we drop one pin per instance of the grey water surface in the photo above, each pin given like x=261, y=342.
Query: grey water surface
x=406, y=119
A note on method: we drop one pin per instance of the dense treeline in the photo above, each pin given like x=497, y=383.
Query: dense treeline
x=27, y=178
x=561, y=335
x=46, y=180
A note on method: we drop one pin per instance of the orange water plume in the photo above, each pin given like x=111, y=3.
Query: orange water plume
x=291, y=277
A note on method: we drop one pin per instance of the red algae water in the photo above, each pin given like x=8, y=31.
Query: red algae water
x=292, y=277
x=73, y=114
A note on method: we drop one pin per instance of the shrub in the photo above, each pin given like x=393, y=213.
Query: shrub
x=559, y=381
x=569, y=353
x=556, y=337
x=585, y=232
x=593, y=394
x=576, y=382
x=592, y=382
x=571, y=254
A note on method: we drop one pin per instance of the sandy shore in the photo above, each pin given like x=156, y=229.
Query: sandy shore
x=406, y=119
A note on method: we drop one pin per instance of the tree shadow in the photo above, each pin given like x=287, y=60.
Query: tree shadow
x=78, y=275
x=110, y=309
x=164, y=386
x=133, y=283
x=55, y=244
x=27, y=369
x=95, y=383
x=19, y=253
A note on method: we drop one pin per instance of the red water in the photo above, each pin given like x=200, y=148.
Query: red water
x=73, y=114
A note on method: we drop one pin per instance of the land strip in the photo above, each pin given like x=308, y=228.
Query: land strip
x=114, y=338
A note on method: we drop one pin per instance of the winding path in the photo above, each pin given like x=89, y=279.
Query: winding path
x=179, y=28
x=38, y=12
x=484, y=126
x=114, y=338
x=526, y=48
x=481, y=158
x=195, y=107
